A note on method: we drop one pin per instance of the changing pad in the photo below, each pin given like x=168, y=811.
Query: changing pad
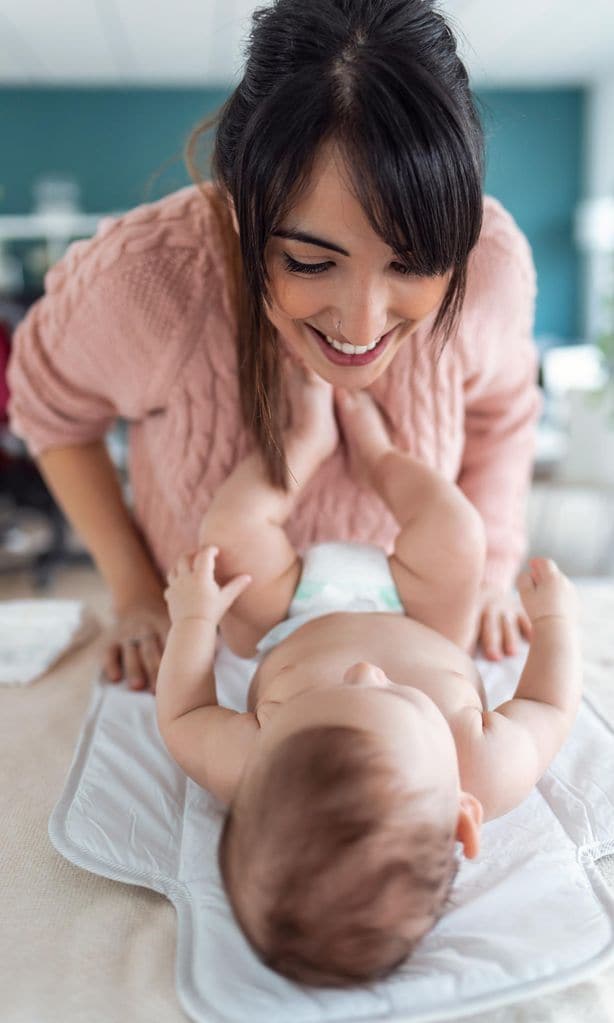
x=530, y=915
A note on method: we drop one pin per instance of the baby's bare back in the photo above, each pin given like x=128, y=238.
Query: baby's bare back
x=408, y=652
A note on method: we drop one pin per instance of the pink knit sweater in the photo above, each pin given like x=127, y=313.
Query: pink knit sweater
x=137, y=323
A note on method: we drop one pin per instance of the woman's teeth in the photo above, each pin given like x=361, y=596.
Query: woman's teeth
x=348, y=349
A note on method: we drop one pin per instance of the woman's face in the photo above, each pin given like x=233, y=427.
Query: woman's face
x=363, y=287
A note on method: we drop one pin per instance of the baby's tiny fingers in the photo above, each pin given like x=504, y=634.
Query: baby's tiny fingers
x=183, y=565
x=525, y=582
x=205, y=558
x=541, y=568
x=234, y=588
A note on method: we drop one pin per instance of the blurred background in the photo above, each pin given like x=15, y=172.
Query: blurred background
x=97, y=98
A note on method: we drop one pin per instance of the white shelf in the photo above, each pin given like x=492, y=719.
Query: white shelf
x=57, y=229
x=48, y=225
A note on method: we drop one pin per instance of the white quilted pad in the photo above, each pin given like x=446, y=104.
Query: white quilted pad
x=34, y=634
x=529, y=915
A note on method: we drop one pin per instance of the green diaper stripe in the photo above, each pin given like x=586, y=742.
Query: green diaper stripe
x=388, y=595
x=308, y=589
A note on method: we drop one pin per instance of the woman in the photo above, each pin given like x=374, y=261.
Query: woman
x=346, y=210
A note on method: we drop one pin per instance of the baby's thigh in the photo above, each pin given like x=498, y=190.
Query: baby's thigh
x=445, y=548
x=440, y=586
x=449, y=609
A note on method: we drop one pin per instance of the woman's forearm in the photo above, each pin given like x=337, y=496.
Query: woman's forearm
x=85, y=484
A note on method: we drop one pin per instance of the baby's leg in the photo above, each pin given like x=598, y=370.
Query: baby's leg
x=439, y=553
x=246, y=516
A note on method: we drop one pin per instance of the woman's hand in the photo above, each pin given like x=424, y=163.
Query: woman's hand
x=501, y=624
x=135, y=643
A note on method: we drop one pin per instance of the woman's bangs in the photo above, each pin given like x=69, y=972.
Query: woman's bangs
x=424, y=197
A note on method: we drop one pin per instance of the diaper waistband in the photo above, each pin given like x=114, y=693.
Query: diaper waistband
x=336, y=574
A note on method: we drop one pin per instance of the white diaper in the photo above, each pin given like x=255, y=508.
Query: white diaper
x=337, y=577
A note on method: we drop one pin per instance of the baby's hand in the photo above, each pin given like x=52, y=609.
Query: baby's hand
x=546, y=592
x=192, y=591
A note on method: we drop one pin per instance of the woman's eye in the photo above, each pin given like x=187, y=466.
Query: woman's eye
x=293, y=266
x=303, y=268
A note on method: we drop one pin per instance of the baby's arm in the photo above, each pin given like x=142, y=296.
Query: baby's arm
x=504, y=752
x=209, y=742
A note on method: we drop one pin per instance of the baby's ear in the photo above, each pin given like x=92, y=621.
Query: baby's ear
x=470, y=817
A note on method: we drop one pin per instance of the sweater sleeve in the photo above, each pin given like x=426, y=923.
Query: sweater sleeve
x=502, y=400
x=113, y=327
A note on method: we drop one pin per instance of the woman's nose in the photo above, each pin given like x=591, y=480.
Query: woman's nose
x=364, y=673
x=365, y=316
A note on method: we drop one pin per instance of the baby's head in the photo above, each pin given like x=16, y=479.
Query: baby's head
x=338, y=851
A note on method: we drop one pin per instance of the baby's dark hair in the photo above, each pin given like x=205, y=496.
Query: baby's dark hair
x=334, y=869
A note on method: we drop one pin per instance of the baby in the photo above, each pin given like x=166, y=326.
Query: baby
x=367, y=750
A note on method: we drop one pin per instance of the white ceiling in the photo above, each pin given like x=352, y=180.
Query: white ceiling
x=201, y=42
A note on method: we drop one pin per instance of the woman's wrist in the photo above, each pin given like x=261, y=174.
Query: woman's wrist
x=142, y=589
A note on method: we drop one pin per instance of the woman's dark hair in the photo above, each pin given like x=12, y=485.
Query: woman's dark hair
x=383, y=81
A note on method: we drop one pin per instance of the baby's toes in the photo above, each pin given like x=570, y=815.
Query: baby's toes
x=361, y=417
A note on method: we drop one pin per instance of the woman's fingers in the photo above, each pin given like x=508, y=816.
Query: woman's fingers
x=112, y=663
x=135, y=643
x=501, y=632
x=136, y=660
x=151, y=654
x=509, y=633
x=490, y=636
x=133, y=667
x=524, y=624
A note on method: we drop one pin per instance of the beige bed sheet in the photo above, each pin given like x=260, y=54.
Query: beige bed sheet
x=78, y=948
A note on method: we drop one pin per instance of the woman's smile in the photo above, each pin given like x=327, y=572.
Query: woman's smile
x=344, y=354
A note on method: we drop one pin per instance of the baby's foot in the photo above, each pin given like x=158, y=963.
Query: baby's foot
x=364, y=431
x=312, y=410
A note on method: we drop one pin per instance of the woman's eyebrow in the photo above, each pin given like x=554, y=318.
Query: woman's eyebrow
x=310, y=239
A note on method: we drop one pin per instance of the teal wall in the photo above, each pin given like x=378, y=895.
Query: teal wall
x=111, y=140
x=535, y=143
x=119, y=144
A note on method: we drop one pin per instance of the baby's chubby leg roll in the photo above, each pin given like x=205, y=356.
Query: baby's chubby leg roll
x=440, y=550
x=247, y=514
